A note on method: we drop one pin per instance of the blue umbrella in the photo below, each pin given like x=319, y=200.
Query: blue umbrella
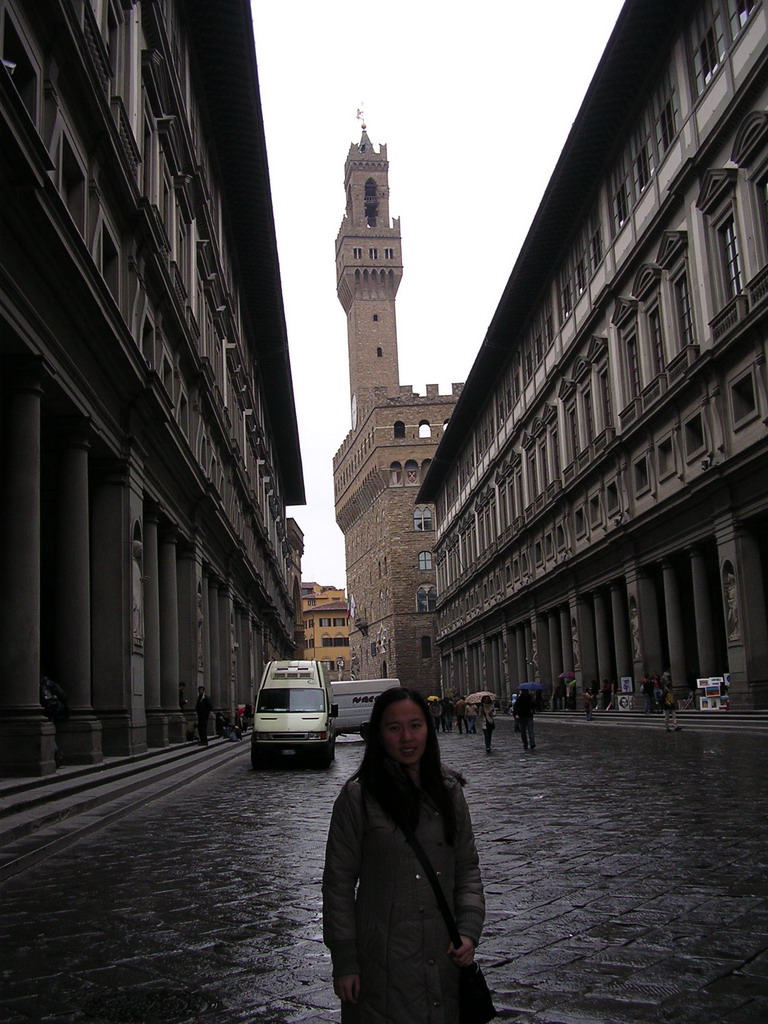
x=531, y=686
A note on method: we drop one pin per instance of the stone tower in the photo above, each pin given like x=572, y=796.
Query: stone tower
x=391, y=578
x=369, y=267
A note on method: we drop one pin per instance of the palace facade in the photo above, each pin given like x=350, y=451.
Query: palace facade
x=149, y=437
x=601, y=490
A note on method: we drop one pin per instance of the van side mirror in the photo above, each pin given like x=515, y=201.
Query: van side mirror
x=334, y=710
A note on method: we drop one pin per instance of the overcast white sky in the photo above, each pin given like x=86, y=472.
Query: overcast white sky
x=474, y=102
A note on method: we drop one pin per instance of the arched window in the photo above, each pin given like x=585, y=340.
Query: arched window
x=424, y=429
x=395, y=474
x=425, y=559
x=426, y=598
x=411, y=473
x=422, y=518
x=399, y=430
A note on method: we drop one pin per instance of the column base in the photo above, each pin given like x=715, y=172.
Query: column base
x=27, y=745
x=120, y=737
x=80, y=739
x=758, y=695
x=157, y=728
x=177, y=728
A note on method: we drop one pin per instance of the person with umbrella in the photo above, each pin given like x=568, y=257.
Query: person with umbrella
x=525, y=707
x=487, y=724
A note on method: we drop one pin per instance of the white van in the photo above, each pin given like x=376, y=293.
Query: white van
x=355, y=699
x=294, y=713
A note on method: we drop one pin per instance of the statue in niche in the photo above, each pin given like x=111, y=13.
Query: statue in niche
x=199, y=628
x=731, y=603
x=534, y=655
x=137, y=588
x=575, y=645
x=634, y=624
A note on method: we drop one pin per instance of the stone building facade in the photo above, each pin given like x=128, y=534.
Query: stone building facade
x=377, y=471
x=149, y=437
x=601, y=496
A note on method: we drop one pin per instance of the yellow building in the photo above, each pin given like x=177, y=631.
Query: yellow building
x=326, y=628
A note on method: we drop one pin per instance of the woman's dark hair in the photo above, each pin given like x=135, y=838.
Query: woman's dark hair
x=389, y=784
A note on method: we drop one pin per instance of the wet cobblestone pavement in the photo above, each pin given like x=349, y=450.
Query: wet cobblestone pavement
x=625, y=871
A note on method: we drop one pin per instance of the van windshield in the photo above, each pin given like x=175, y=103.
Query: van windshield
x=290, y=699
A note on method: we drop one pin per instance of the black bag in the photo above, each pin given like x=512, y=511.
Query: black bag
x=475, y=1001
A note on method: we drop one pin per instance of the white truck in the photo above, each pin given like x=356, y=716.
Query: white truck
x=294, y=714
x=354, y=699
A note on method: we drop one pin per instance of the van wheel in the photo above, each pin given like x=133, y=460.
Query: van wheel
x=325, y=759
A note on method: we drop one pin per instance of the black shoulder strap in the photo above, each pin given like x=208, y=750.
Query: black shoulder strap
x=442, y=903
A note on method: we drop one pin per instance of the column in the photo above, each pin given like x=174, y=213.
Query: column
x=555, y=645
x=543, y=652
x=520, y=665
x=206, y=667
x=586, y=631
x=214, y=689
x=26, y=737
x=528, y=651
x=169, y=635
x=111, y=624
x=226, y=639
x=604, y=669
x=674, y=619
x=157, y=720
x=746, y=622
x=621, y=640
x=566, y=639
x=72, y=603
x=702, y=608
x=190, y=624
x=649, y=623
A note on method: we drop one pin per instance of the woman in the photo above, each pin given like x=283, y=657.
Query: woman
x=393, y=962
x=487, y=724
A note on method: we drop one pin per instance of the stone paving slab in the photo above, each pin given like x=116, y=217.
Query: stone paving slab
x=626, y=881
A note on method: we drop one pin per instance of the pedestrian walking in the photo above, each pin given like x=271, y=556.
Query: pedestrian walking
x=487, y=723
x=669, y=706
x=182, y=696
x=524, y=712
x=446, y=714
x=658, y=692
x=392, y=956
x=460, y=709
x=436, y=711
x=646, y=689
x=203, y=708
x=588, y=705
x=472, y=710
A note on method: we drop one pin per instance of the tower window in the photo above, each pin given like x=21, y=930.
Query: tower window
x=379, y=352
x=375, y=318
x=357, y=253
x=373, y=253
x=389, y=254
x=371, y=205
x=399, y=429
